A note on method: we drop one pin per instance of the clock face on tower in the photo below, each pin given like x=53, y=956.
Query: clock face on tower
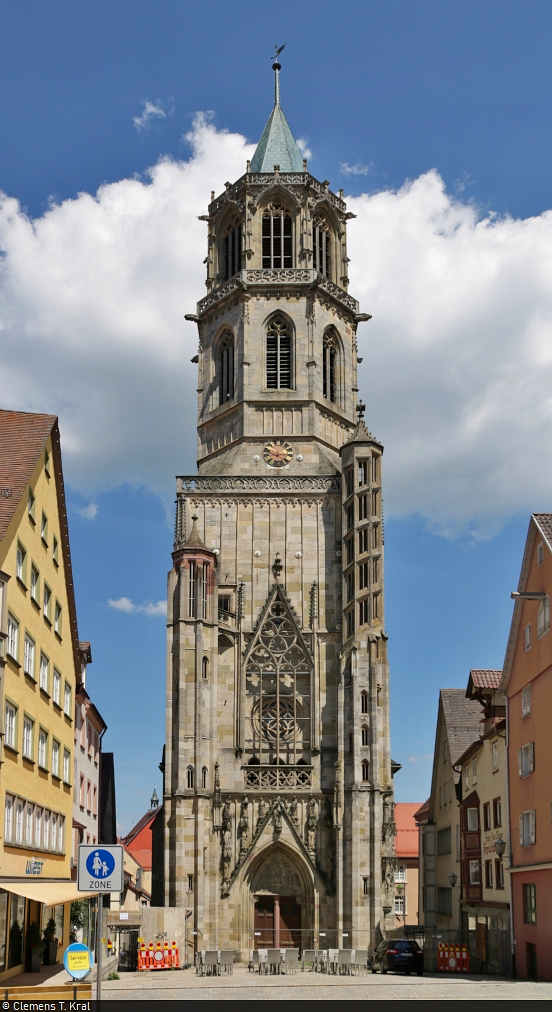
x=277, y=454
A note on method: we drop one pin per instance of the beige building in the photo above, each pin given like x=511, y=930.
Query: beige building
x=39, y=665
x=458, y=726
x=278, y=791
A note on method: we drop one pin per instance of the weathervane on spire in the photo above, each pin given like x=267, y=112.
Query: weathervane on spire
x=276, y=68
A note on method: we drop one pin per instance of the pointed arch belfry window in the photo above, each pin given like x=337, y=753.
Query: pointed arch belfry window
x=232, y=251
x=329, y=367
x=226, y=367
x=277, y=237
x=278, y=355
x=321, y=247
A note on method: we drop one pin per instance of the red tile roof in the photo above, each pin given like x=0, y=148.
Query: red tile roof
x=406, y=840
x=22, y=439
x=485, y=678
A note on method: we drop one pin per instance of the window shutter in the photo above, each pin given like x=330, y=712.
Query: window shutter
x=533, y=825
x=521, y=830
x=531, y=756
x=520, y=762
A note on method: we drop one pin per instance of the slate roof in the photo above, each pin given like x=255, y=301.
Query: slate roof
x=462, y=721
x=22, y=439
x=277, y=146
x=485, y=678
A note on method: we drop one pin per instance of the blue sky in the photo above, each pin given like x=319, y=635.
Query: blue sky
x=454, y=265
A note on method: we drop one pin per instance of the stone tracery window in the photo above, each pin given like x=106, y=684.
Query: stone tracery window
x=278, y=355
x=278, y=673
x=277, y=237
x=232, y=251
x=321, y=246
x=329, y=366
x=226, y=367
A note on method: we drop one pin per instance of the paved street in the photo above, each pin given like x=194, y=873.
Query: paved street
x=183, y=985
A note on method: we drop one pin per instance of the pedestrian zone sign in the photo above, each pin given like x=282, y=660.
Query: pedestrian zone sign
x=100, y=869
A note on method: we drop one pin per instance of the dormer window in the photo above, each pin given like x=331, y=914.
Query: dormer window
x=321, y=247
x=232, y=262
x=226, y=368
x=277, y=250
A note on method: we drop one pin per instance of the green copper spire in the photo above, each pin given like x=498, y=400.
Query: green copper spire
x=277, y=145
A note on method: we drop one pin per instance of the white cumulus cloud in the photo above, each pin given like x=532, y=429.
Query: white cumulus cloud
x=457, y=370
x=152, y=111
x=355, y=170
x=89, y=512
x=148, y=607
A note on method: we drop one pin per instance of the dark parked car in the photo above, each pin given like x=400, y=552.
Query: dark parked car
x=398, y=954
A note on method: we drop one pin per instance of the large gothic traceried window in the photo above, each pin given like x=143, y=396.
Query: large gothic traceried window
x=278, y=675
x=278, y=355
x=277, y=234
x=226, y=368
x=329, y=366
x=321, y=247
x=232, y=251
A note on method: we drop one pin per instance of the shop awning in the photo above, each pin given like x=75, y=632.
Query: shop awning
x=49, y=893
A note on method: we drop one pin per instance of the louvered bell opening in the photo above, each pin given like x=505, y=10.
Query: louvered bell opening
x=277, y=251
x=226, y=374
x=321, y=250
x=233, y=244
x=285, y=361
x=272, y=361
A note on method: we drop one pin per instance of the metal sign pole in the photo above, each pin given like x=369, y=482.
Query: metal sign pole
x=99, y=933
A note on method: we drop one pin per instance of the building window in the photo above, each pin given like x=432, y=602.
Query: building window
x=29, y=656
x=375, y=606
x=527, y=636
x=364, y=735
x=365, y=886
x=350, y=584
x=55, y=758
x=20, y=563
x=400, y=874
x=47, y=603
x=43, y=677
x=444, y=901
x=46, y=829
x=42, y=749
x=57, y=619
x=364, y=702
x=276, y=228
x=190, y=777
x=38, y=827
x=526, y=701
x=61, y=833
x=350, y=550
x=364, y=612
x=8, y=817
x=278, y=355
x=88, y=797
x=190, y=883
x=497, y=812
x=362, y=473
x=376, y=536
x=18, y=821
x=488, y=874
x=540, y=554
x=527, y=828
x=363, y=541
x=526, y=759
x=499, y=873
x=29, y=822
x=444, y=841
x=81, y=791
x=530, y=904
x=13, y=637
x=474, y=772
x=365, y=770
x=494, y=756
x=350, y=622
x=31, y=506
x=55, y=550
x=56, y=687
x=10, y=725
x=232, y=251
x=375, y=504
x=204, y=580
x=34, y=584
x=226, y=368
x=543, y=622
x=472, y=820
x=192, y=589
x=329, y=363
x=44, y=528
x=204, y=668
x=204, y=778
x=321, y=247
x=399, y=906
x=66, y=766
x=466, y=778
x=350, y=516
x=474, y=873
x=28, y=738
x=67, y=700
x=363, y=507
x=487, y=815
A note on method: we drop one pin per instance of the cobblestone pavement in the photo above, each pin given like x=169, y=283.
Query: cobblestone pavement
x=184, y=985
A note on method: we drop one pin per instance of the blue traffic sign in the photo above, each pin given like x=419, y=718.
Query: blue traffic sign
x=100, y=863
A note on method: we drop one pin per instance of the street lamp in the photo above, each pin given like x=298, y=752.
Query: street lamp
x=500, y=846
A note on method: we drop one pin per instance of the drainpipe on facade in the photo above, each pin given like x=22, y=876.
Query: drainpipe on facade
x=509, y=824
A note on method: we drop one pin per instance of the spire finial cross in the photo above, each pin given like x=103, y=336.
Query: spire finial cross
x=276, y=68
x=361, y=408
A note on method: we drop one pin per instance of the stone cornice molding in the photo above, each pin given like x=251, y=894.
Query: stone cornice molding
x=240, y=483
x=285, y=276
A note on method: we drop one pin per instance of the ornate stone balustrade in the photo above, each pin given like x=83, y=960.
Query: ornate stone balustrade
x=286, y=178
x=277, y=276
x=239, y=483
x=277, y=778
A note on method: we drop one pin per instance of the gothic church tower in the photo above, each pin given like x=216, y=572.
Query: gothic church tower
x=278, y=796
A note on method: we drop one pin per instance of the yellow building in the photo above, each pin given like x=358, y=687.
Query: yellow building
x=39, y=669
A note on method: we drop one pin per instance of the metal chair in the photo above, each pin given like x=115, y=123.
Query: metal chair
x=332, y=960
x=321, y=964
x=361, y=961
x=309, y=956
x=227, y=961
x=344, y=961
x=211, y=963
x=291, y=960
x=274, y=960
x=263, y=965
x=254, y=961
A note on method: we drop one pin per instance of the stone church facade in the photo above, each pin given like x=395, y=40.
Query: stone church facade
x=278, y=790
